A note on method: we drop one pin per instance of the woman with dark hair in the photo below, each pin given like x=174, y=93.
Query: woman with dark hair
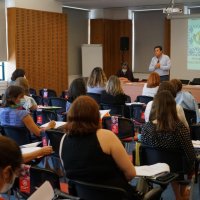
x=151, y=87
x=166, y=85
x=76, y=89
x=11, y=113
x=10, y=163
x=17, y=73
x=97, y=81
x=96, y=155
x=165, y=131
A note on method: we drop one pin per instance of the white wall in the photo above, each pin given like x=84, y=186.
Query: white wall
x=112, y=13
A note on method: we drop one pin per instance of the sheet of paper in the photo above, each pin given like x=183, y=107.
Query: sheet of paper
x=29, y=149
x=34, y=144
x=58, y=124
x=196, y=144
x=48, y=107
x=152, y=170
x=44, y=192
x=134, y=103
x=103, y=113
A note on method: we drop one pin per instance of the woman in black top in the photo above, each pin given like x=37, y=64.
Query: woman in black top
x=92, y=154
x=166, y=131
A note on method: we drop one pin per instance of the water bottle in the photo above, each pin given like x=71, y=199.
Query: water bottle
x=44, y=139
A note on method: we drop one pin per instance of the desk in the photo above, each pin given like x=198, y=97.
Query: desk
x=135, y=89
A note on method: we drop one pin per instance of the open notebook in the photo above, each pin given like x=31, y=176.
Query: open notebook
x=58, y=124
x=152, y=170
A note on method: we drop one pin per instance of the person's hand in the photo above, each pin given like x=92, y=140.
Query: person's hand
x=46, y=150
x=157, y=65
x=51, y=124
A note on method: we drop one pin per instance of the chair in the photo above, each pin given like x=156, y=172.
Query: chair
x=186, y=82
x=91, y=191
x=38, y=99
x=20, y=135
x=44, y=116
x=190, y=116
x=50, y=93
x=37, y=177
x=195, y=81
x=55, y=137
x=137, y=112
x=125, y=126
x=32, y=91
x=114, y=109
x=151, y=155
x=95, y=96
x=59, y=102
x=143, y=99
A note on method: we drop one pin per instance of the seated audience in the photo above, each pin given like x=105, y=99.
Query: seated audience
x=185, y=99
x=16, y=74
x=76, y=89
x=97, y=81
x=11, y=113
x=29, y=102
x=151, y=87
x=114, y=93
x=165, y=131
x=166, y=85
x=96, y=155
x=10, y=163
x=125, y=72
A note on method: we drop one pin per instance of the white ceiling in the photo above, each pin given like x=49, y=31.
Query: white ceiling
x=98, y=4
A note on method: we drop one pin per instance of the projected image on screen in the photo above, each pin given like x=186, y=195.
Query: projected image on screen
x=193, y=59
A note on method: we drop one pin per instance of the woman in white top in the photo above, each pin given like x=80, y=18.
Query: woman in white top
x=29, y=102
x=97, y=81
x=166, y=85
x=151, y=87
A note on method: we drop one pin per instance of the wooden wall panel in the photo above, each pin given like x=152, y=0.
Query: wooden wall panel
x=39, y=46
x=108, y=33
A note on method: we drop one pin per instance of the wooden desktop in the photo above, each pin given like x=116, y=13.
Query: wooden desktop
x=135, y=88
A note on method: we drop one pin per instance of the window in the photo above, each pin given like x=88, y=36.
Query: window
x=2, y=74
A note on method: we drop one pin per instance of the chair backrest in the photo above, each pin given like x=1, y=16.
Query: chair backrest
x=90, y=191
x=38, y=99
x=50, y=93
x=114, y=109
x=176, y=160
x=137, y=112
x=32, y=91
x=20, y=135
x=184, y=81
x=55, y=138
x=60, y=102
x=95, y=96
x=190, y=116
x=125, y=126
x=39, y=175
x=195, y=81
x=143, y=99
x=44, y=116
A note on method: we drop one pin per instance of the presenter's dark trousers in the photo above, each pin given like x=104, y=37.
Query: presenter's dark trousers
x=164, y=78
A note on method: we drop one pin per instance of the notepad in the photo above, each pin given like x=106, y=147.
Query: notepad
x=196, y=144
x=152, y=170
x=44, y=192
x=58, y=124
x=29, y=149
x=34, y=144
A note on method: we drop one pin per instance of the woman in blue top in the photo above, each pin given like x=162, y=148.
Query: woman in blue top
x=11, y=114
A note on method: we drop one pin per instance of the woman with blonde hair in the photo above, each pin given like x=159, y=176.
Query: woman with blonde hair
x=97, y=81
x=114, y=93
x=29, y=102
x=151, y=87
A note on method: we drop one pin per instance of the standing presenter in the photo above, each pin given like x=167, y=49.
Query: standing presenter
x=160, y=63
